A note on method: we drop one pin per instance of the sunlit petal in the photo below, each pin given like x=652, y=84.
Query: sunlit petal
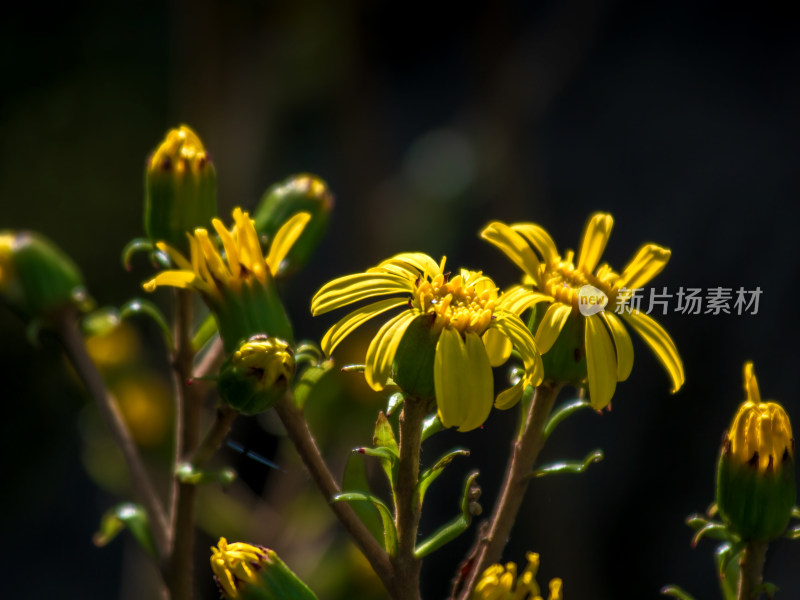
x=539, y=239
x=601, y=364
x=595, y=238
x=382, y=349
x=352, y=288
x=355, y=319
x=514, y=246
x=648, y=262
x=551, y=325
x=498, y=346
x=622, y=344
x=661, y=344
x=285, y=238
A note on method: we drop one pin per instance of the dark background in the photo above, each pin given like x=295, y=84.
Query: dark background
x=679, y=118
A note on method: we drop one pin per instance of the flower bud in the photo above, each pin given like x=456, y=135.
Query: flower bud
x=755, y=476
x=180, y=188
x=256, y=375
x=36, y=278
x=254, y=572
x=298, y=193
x=500, y=582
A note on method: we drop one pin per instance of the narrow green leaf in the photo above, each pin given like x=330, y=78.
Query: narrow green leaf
x=355, y=480
x=562, y=412
x=714, y=530
x=129, y=515
x=430, y=475
x=389, y=531
x=307, y=381
x=186, y=473
x=138, y=306
x=395, y=401
x=676, y=592
x=448, y=532
x=135, y=246
x=431, y=425
x=384, y=434
x=353, y=369
x=573, y=467
x=727, y=570
x=204, y=333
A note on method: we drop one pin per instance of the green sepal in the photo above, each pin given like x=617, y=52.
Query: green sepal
x=308, y=379
x=562, y=412
x=728, y=568
x=430, y=475
x=355, y=480
x=714, y=530
x=309, y=352
x=432, y=424
x=298, y=193
x=448, y=532
x=389, y=531
x=676, y=592
x=138, y=306
x=135, y=246
x=186, y=473
x=129, y=515
x=276, y=581
x=569, y=466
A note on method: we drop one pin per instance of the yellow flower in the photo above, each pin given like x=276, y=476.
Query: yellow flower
x=237, y=286
x=570, y=290
x=461, y=323
x=502, y=583
x=236, y=565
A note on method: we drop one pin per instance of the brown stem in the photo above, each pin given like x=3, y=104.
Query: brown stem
x=407, y=509
x=751, y=568
x=75, y=347
x=297, y=428
x=524, y=452
x=215, y=436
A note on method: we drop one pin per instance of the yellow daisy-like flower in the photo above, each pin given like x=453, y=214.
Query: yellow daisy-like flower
x=582, y=301
x=500, y=582
x=236, y=565
x=459, y=328
x=238, y=284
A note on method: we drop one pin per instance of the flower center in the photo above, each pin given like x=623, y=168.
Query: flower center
x=465, y=302
x=564, y=283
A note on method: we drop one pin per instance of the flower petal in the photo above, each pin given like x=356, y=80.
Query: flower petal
x=463, y=379
x=213, y=260
x=622, y=343
x=661, y=344
x=382, y=349
x=541, y=241
x=231, y=249
x=284, y=239
x=352, y=288
x=509, y=397
x=498, y=346
x=601, y=364
x=415, y=263
x=648, y=262
x=514, y=246
x=551, y=325
x=522, y=339
x=175, y=256
x=518, y=299
x=178, y=279
x=595, y=238
x=250, y=253
x=355, y=319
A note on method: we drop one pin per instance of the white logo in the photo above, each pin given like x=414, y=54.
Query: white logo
x=591, y=300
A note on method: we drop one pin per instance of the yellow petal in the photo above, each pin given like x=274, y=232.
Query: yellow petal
x=382, y=349
x=249, y=245
x=514, y=246
x=518, y=299
x=661, y=344
x=178, y=279
x=552, y=323
x=176, y=257
x=522, y=339
x=212, y=257
x=285, y=238
x=622, y=343
x=355, y=319
x=601, y=364
x=352, y=288
x=498, y=346
x=646, y=264
x=414, y=263
x=463, y=380
x=595, y=238
x=509, y=397
x=231, y=250
x=751, y=384
x=539, y=239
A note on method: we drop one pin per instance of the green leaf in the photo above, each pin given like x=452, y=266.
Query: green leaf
x=395, y=401
x=186, y=473
x=137, y=306
x=307, y=381
x=676, y=592
x=355, y=480
x=572, y=466
x=431, y=425
x=384, y=434
x=389, y=532
x=430, y=475
x=448, y=532
x=129, y=515
x=562, y=412
x=727, y=570
x=204, y=333
x=714, y=530
x=135, y=246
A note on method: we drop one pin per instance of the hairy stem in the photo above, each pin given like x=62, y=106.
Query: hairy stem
x=524, y=452
x=751, y=568
x=75, y=347
x=299, y=434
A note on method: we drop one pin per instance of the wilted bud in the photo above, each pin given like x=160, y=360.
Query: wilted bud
x=256, y=375
x=298, y=193
x=36, y=277
x=180, y=188
x=755, y=476
x=254, y=572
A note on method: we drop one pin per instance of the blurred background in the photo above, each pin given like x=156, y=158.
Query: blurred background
x=679, y=118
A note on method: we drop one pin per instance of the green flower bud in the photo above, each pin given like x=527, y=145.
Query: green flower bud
x=256, y=375
x=413, y=361
x=180, y=188
x=755, y=476
x=36, y=278
x=298, y=193
x=254, y=573
x=566, y=360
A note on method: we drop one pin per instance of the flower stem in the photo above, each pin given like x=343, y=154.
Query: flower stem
x=407, y=509
x=524, y=452
x=75, y=347
x=751, y=567
x=297, y=428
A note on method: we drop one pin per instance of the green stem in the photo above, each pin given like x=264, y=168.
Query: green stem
x=524, y=452
x=75, y=347
x=407, y=509
x=751, y=567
